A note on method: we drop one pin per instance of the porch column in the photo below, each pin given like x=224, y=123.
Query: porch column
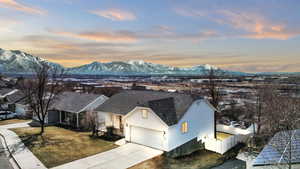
x=59, y=116
x=77, y=121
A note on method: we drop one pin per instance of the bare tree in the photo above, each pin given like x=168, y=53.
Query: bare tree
x=41, y=91
x=212, y=86
x=285, y=142
x=280, y=115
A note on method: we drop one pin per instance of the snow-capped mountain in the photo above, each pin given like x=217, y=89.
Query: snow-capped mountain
x=14, y=61
x=140, y=67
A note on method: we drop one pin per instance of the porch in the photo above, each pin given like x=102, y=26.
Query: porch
x=68, y=119
x=110, y=122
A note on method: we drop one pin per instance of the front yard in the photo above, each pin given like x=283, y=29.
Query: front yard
x=12, y=121
x=58, y=146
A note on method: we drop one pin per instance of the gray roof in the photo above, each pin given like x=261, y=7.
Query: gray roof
x=73, y=101
x=170, y=107
x=16, y=97
x=4, y=91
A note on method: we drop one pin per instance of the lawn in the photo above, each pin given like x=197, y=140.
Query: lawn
x=12, y=121
x=59, y=146
x=202, y=159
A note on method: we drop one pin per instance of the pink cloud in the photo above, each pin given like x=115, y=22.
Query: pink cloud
x=115, y=14
x=12, y=4
x=117, y=37
x=255, y=25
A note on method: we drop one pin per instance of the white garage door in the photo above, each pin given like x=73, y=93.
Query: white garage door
x=147, y=137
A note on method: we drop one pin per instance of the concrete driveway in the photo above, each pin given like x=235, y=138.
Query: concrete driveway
x=122, y=157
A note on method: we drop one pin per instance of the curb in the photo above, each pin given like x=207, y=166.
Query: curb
x=10, y=153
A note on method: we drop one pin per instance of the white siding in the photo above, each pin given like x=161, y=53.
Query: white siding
x=106, y=118
x=152, y=122
x=20, y=109
x=200, y=119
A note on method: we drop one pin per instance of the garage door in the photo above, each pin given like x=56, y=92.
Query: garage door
x=147, y=137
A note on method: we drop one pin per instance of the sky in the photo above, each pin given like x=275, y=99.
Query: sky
x=245, y=35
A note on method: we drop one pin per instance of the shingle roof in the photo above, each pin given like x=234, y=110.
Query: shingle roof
x=73, y=101
x=4, y=91
x=165, y=109
x=16, y=97
x=170, y=107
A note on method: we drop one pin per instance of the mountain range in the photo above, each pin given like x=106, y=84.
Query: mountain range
x=15, y=61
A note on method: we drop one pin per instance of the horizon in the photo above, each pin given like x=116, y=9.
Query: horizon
x=247, y=36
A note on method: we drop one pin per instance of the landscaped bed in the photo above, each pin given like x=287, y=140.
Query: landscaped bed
x=12, y=121
x=58, y=146
x=202, y=159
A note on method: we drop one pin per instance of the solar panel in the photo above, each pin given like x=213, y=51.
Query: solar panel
x=284, y=146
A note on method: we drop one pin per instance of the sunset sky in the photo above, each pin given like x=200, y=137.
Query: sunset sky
x=243, y=35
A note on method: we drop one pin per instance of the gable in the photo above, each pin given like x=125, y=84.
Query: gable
x=152, y=121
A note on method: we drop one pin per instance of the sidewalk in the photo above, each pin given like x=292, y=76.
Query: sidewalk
x=4, y=160
x=21, y=153
x=16, y=125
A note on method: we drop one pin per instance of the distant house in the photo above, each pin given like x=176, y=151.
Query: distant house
x=161, y=120
x=67, y=108
x=13, y=100
x=17, y=103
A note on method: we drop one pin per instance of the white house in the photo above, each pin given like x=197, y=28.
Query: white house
x=160, y=120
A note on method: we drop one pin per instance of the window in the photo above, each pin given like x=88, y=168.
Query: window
x=184, y=127
x=145, y=114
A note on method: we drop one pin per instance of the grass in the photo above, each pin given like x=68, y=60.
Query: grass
x=222, y=136
x=59, y=146
x=202, y=159
x=12, y=121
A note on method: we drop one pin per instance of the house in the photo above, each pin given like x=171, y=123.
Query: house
x=160, y=120
x=13, y=100
x=282, y=150
x=69, y=107
x=17, y=103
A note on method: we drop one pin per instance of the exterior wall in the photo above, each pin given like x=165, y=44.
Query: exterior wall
x=153, y=122
x=200, y=119
x=20, y=109
x=236, y=130
x=53, y=117
x=106, y=119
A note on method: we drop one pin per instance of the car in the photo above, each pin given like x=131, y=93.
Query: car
x=7, y=115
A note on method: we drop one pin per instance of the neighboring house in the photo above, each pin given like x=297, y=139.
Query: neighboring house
x=17, y=103
x=160, y=120
x=283, y=149
x=67, y=107
x=6, y=91
x=13, y=100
